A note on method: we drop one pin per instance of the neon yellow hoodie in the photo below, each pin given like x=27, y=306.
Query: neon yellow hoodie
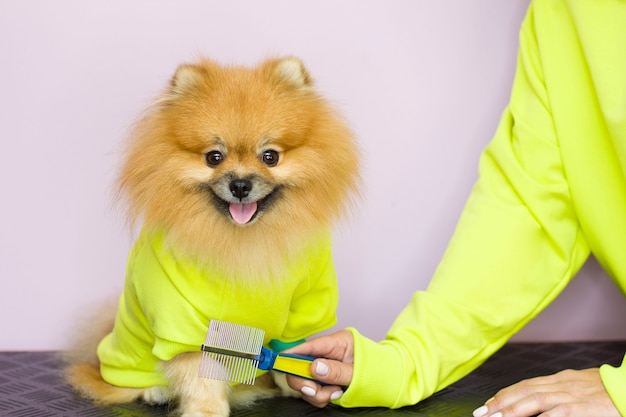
x=551, y=190
x=168, y=301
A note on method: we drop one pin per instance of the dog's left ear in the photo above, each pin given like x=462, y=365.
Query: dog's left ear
x=290, y=71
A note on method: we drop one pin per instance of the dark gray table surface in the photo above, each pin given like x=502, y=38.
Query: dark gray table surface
x=30, y=385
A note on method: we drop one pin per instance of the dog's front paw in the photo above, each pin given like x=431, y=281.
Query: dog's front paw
x=156, y=395
x=280, y=380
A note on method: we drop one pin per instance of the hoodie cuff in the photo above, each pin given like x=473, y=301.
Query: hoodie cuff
x=614, y=380
x=377, y=376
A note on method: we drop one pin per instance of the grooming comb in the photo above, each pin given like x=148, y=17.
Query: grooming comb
x=234, y=353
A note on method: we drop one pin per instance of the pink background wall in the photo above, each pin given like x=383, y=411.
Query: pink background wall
x=422, y=83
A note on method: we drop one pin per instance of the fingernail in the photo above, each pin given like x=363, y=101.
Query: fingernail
x=308, y=391
x=498, y=414
x=336, y=395
x=480, y=411
x=321, y=369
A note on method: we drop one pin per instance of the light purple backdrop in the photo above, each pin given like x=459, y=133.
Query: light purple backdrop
x=422, y=83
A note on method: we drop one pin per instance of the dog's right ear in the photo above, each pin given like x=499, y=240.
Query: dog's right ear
x=187, y=78
x=184, y=78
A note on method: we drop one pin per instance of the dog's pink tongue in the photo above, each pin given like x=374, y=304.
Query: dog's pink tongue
x=242, y=213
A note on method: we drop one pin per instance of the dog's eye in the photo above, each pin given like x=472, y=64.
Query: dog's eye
x=214, y=158
x=270, y=157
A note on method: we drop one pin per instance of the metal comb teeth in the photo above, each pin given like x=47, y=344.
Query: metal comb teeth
x=231, y=352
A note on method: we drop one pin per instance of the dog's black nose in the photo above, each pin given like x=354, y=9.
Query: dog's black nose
x=240, y=188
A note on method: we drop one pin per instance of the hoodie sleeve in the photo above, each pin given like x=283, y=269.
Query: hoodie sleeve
x=314, y=302
x=518, y=243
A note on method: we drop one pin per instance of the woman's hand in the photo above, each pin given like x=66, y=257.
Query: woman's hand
x=564, y=394
x=335, y=369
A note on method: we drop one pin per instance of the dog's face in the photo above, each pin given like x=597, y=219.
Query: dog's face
x=230, y=150
x=239, y=192
x=249, y=138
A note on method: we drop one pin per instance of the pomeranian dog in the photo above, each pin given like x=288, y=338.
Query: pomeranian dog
x=235, y=176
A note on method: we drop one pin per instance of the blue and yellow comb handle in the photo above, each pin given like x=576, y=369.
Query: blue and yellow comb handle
x=298, y=365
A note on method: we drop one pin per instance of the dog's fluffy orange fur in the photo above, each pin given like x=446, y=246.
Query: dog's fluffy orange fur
x=220, y=141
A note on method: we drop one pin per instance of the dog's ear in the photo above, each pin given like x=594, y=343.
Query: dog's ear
x=291, y=72
x=188, y=77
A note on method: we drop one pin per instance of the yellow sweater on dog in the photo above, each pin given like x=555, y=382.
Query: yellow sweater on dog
x=168, y=301
x=552, y=190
